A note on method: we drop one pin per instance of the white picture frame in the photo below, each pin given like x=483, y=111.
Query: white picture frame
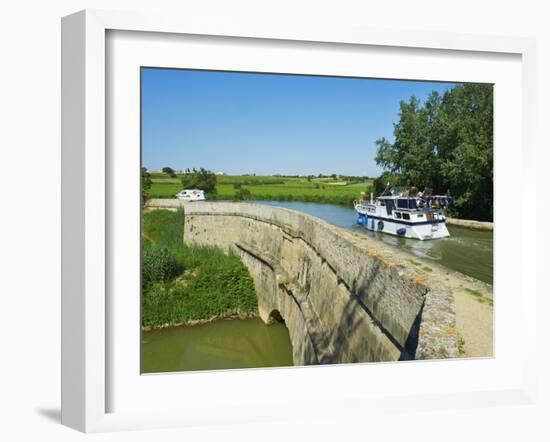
x=86, y=356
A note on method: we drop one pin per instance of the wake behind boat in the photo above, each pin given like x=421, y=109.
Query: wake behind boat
x=405, y=212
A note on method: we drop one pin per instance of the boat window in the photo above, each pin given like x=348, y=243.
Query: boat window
x=398, y=215
x=389, y=207
x=402, y=203
x=420, y=215
x=406, y=216
x=412, y=203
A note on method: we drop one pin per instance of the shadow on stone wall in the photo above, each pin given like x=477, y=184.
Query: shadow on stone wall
x=342, y=298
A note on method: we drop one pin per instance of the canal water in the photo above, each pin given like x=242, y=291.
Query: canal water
x=223, y=344
x=466, y=251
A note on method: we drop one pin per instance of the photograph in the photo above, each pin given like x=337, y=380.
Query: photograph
x=296, y=220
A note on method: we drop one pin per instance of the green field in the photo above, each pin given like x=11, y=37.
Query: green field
x=322, y=190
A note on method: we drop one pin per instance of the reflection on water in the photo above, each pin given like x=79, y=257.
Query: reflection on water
x=223, y=344
x=467, y=251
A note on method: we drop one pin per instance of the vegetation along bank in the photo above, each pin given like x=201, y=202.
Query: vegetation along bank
x=187, y=284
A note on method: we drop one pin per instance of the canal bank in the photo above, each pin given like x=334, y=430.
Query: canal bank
x=227, y=315
x=470, y=224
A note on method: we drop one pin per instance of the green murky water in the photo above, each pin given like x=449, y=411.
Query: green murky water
x=224, y=344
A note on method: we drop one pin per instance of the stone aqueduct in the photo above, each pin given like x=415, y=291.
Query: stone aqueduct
x=343, y=297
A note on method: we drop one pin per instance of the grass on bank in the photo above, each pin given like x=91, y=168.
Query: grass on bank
x=321, y=190
x=183, y=283
x=479, y=296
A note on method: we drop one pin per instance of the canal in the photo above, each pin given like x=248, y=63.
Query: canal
x=466, y=251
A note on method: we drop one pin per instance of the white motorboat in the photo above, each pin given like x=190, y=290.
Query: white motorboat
x=405, y=212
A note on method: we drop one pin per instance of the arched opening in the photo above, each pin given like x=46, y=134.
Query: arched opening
x=277, y=326
x=275, y=316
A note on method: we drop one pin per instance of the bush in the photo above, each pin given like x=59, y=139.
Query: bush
x=200, y=179
x=158, y=265
x=243, y=193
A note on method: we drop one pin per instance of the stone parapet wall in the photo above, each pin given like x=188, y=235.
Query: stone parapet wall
x=344, y=297
x=165, y=203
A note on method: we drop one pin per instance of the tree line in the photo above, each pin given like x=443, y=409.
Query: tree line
x=445, y=143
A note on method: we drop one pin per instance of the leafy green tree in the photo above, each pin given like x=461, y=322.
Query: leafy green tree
x=468, y=169
x=381, y=183
x=169, y=171
x=145, y=185
x=200, y=179
x=445, y=144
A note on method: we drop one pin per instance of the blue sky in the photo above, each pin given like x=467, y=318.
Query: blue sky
x=267, y=124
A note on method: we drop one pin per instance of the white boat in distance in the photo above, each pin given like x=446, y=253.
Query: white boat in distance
x=191, y=195
x=405, y=212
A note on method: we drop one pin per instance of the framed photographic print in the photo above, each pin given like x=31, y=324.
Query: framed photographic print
x=305, y=219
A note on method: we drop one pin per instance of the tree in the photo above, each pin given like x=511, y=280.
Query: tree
x=380, y=184
x=468, y=117
x=169, y=171
x=445, y=144
x=145, y=185
x=243, y=193
x=200, y=179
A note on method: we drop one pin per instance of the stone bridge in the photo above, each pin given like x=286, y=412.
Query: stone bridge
x=343, y=297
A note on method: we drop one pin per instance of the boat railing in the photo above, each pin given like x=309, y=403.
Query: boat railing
x=421, y=204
